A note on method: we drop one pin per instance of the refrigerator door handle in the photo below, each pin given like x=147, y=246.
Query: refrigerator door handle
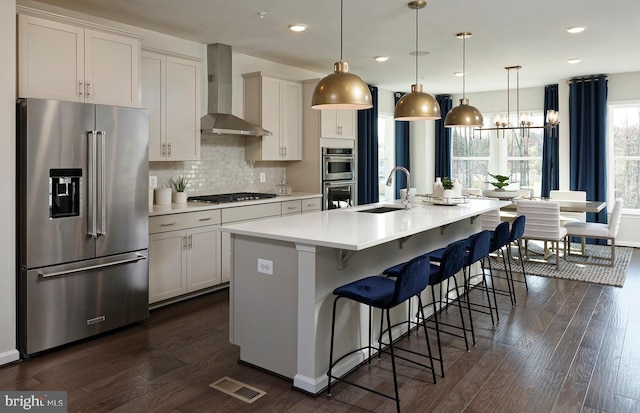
x=91, y=184
x=100, y=182
x=137, y=258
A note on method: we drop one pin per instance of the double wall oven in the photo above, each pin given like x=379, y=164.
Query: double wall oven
x=338, y=178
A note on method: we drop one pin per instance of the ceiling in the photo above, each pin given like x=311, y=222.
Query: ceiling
x=505, y=33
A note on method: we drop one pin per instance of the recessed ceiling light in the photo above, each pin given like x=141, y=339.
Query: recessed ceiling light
x=458, y=74
x=574, y=60
x=574, y=30
x=298, y=27
x=381, y=58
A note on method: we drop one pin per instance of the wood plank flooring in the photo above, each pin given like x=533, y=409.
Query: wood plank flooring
x=567, y=346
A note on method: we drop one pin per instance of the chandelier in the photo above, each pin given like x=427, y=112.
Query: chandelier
x=524, y=122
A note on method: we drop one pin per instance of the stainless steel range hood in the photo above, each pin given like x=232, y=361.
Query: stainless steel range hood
x=219, y=120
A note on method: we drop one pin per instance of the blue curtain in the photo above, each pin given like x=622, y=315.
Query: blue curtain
x=550, y=146
x=443, y=139
x=368, y=152
x=588, y=127
x=402, y=149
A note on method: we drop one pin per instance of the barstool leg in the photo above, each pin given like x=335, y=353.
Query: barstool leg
x=486, y=290
x=524, y=274
x=464, y=330
x=507, y=270
x=464, y=276
x=493, y=288
x=426, y=336
x=435, y=316
x=393, y=361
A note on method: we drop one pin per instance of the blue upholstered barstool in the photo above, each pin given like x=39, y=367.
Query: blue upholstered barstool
x=451, y=263
x=500, y=239
x=517, y=230
x=385, y=293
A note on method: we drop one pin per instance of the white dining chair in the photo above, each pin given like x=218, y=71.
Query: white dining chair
x=597, y=230
x=542, y=223
x=566, y=217
x=490, y=220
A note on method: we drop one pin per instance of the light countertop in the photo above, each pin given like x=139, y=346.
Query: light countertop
x=200, y=206
x=353, y=230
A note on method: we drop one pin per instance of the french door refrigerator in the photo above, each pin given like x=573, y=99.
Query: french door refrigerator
x=82, y=220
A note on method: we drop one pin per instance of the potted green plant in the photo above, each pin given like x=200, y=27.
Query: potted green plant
x=501, y=181
x=447, y=186
x=179, y=185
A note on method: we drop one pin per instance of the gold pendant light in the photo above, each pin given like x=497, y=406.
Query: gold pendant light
x=417, y=105
x=465, y=115
x=341, y=90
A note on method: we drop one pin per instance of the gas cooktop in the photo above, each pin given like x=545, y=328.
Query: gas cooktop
x=232, y=197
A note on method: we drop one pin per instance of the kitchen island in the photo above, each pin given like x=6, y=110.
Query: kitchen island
x=285, y=269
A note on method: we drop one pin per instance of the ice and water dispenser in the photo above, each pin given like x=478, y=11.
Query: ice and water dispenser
x=64, y=187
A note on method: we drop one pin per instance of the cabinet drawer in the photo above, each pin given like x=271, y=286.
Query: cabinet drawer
x=248, y=212
x=170, y=222
x=291, y=207
x=201, y=218
x=311, y=204
x=173, y=222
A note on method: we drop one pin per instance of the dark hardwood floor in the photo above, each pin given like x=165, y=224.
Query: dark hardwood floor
x=567, y=346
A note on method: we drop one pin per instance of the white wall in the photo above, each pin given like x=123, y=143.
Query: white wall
x=8, y=352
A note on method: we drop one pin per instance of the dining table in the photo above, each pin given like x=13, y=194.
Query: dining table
x=567, y=206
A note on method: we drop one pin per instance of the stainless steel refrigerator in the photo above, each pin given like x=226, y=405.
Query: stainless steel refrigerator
x=82, y=220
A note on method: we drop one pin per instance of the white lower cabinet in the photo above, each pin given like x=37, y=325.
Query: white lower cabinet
x=188, y=252
x=183, y=261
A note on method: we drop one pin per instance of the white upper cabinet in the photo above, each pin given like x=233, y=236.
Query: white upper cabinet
x=171, y=92
x=338, y=124
x=64, y=61
x=275, y=105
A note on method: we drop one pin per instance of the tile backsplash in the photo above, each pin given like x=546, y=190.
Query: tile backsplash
x=221, y=169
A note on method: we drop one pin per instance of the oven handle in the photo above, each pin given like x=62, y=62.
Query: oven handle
x=339, y=158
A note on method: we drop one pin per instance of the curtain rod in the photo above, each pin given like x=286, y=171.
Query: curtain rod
x=585, y=79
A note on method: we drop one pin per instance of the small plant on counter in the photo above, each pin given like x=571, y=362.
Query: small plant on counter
x=502, y=181
x=446, y=183
x=180, y=183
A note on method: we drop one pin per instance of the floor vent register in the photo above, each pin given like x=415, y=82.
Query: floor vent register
x=237, y=389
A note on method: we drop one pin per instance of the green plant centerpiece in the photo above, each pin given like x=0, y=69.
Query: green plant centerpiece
x=180, y=183
x=502, y=181
x=447, y=183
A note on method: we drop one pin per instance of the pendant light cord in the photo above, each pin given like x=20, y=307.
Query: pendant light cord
x=464, y=65
x=341, y=12
x=416, y=45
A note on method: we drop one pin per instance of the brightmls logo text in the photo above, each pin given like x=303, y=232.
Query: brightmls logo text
x=41, y=402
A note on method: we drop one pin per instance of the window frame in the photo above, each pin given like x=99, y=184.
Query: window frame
x=611, y=156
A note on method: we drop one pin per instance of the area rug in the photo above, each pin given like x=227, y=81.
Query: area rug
x=536, y=265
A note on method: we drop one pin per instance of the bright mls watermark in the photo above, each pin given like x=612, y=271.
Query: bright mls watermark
x=33, y=401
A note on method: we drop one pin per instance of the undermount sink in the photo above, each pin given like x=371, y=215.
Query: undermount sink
x=382, y=209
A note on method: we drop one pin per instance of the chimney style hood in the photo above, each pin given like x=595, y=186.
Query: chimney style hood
x=219, y=120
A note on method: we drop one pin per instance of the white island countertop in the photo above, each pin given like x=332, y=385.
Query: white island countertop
x=351, y=229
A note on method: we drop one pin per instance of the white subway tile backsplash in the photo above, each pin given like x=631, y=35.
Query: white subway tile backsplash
x=221, y=169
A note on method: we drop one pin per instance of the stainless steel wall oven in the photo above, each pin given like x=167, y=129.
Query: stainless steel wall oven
x=338, y=178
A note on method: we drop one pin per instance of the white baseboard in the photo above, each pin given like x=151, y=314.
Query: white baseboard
x=9, y=357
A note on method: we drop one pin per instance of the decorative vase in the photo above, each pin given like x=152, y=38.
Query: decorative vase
x=437, y=188
x=448, y=193
x=179, y=197
x=457, y=187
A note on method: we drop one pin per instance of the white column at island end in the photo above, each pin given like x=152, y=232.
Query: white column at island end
x=280, y=309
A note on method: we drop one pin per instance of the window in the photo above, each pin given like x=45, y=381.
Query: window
x=386, y=155
x=512, y=153
x=624, y=153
